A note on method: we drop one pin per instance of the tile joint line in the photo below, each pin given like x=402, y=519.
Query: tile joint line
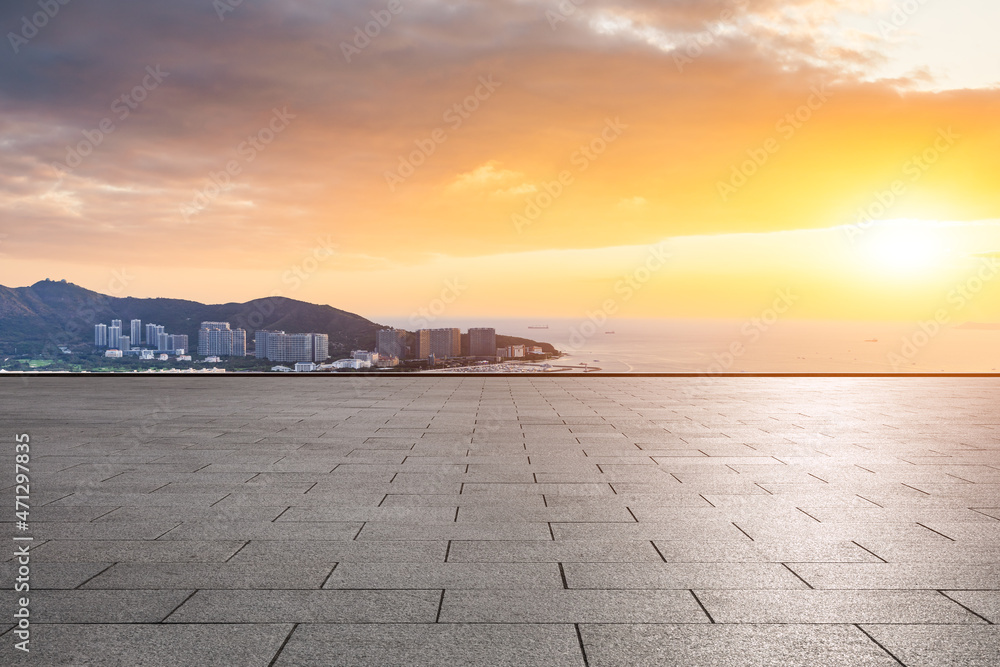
x=283, y=644
x=797, y=576
x=583, y=650
x=974, y=613
x=696, y=599
x=879, y=644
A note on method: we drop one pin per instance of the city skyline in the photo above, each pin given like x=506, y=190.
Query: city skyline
x=156, y=339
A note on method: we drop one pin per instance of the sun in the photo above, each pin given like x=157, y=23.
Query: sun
x=906, y=248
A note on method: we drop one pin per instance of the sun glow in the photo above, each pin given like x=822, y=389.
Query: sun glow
x=906, y=249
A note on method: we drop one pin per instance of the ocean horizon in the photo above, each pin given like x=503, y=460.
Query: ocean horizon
x=734, y=346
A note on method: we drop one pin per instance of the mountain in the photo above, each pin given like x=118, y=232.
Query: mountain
x=40, y=318
x=507, y=341
x=51, y=313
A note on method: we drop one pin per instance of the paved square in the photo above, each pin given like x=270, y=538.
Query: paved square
x=507, y=520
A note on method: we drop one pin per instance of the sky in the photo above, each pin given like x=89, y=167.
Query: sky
x=521, y=158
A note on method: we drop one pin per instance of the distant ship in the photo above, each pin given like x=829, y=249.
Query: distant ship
x=609, y=332
x=538, y=326
x=872, y=340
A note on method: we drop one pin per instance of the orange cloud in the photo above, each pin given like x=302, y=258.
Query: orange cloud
x=739, y=110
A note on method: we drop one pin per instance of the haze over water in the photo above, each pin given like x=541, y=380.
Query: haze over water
x=663, y=346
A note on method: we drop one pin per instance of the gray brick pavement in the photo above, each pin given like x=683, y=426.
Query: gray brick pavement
x=522, y=521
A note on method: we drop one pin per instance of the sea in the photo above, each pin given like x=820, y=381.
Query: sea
x=783, y=346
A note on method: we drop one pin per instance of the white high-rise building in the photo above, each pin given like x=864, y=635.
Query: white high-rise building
x=262, y=342
x=136, y=334
x=115, y=336
x=422, y=343
x=100, y=335
x=176, y=342
x=482, y=342
x=280, y=346
x=390, y=343
x=239, y=344
x=217, y=339
x=445, y=343
x=321, y=347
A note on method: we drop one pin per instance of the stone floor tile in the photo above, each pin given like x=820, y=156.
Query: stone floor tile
x=158, y=645
x=755, y=576
x=326, y=606
x=571, y=606
x=451, y=576
x=750, y=645
x=567, y=551
x=940, y=645
x=814, y=606
x=92, y=606
x=388, y=645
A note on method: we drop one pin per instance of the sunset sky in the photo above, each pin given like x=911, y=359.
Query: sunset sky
x=536, y=153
